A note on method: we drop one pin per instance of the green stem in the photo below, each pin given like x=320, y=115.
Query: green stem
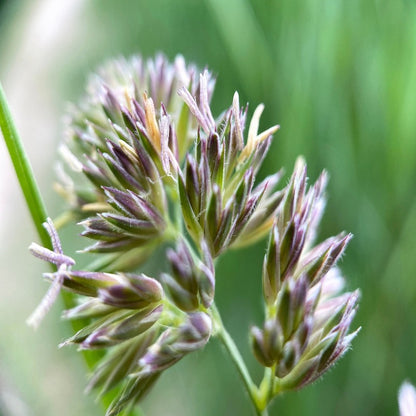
x=267, y=387
x=23, y=170
x=238, y=361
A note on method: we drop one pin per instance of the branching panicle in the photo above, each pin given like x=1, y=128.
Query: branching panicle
x=154, y=173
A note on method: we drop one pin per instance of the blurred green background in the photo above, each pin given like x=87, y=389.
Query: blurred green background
x=340, y=79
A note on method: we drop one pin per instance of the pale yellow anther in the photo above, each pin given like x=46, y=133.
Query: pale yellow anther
x=254, y=138
x=128, y=97
x=263, y=136
x=151, y=122
x=128, y=150
x=96, y=207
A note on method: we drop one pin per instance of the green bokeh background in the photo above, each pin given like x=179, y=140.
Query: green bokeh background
x=340, y=79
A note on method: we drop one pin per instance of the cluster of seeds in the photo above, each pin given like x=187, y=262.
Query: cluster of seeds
x=147, y=169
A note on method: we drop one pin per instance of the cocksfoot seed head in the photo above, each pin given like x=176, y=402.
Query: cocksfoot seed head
x=149, y=172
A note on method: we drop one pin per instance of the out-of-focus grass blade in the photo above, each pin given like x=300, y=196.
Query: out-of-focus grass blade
x=245, y=41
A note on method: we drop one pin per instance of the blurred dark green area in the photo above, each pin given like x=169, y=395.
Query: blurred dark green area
x=340, y=79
